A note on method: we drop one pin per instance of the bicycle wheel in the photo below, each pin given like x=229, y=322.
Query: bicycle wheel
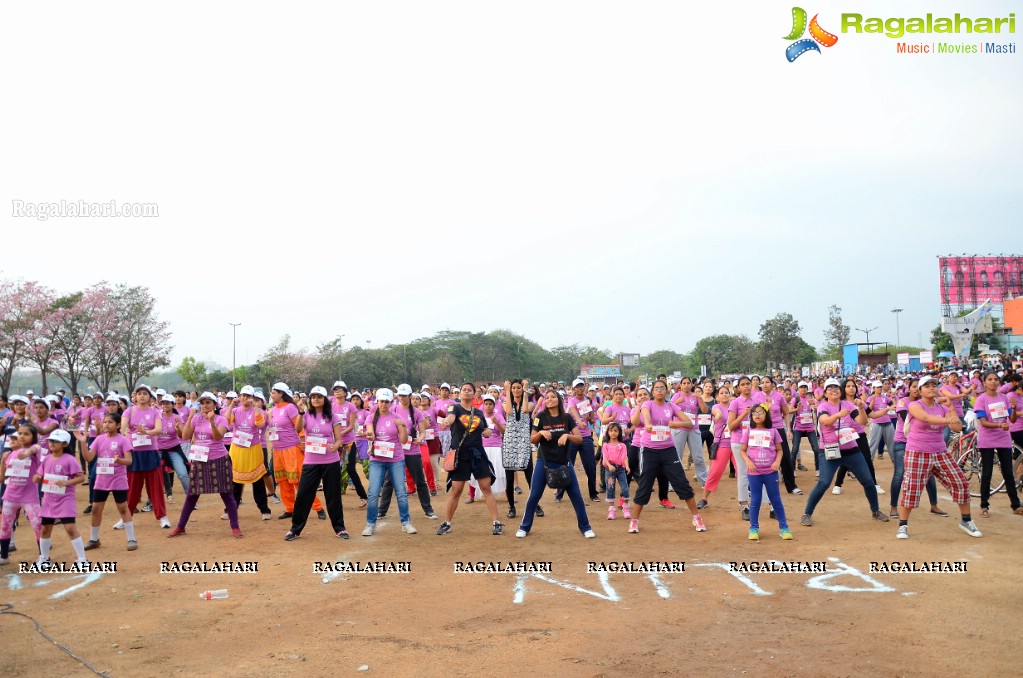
x=970, y=463
x=1017, y=467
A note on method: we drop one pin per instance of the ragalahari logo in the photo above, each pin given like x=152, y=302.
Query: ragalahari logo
x=818, y=35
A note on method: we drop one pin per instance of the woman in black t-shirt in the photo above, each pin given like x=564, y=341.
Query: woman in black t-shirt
x=553, y=429
x=468, y=428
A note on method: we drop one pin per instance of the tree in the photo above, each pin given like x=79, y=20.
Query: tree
x=192, y=371
x=942, y=341
x=142, y=338
x=662, y=362
x=780, y=342
x=39, y=349
x=727, y=354
x=837, y=334
x=20, y=305
x=103, y=351
x=280, y=363
x=73, y=316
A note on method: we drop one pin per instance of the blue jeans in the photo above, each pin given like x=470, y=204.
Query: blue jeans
x=584, y=450
x=757, y=484
x=177, y=460
x=797, y=439
x=620, y=478
x=898, y=455
x=829, y=467
x=536, y=490
x=377, y=471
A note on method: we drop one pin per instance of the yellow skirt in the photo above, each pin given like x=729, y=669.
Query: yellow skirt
x=247, y=464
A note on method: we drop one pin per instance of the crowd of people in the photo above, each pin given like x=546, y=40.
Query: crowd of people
x=393, y=442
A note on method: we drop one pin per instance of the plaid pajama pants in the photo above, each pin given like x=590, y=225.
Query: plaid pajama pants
x=920, y=466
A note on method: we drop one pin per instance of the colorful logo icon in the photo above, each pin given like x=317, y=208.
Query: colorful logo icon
x=818, y=35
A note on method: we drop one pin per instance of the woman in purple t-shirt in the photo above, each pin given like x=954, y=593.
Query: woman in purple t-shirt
x=926, y=455
x=995, y=413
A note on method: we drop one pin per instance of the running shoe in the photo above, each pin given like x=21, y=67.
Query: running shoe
x=518, y=490
x=165, y=523
x=880, y=490
x=148, y=507
x=634, y=525
x=754, y=534
x=267, y=516
x=343, y=534
x=290, y=536
x=409, y=528
x=698, y=524
x=539, y=511
x=498, y=529
x=521, y=534
x=837, y=489
x=786, y=533
x=595, y=498
x=445, y=528
x=92, y=544
x=119, y=525
x=369, y=530
x=275, y=499
x=223, y=516
x=806, y=520
x=88, y=509
x=284, y=516
x=903, y=532
x=801, y=468
x=626, y=513
x=431, y=516
x=797, y=491
x=666, y=503
x=589, y=534
x=132, y=545
x=745, y=513
x=702, y=504
x=970, y=528
x=879, y=516
x=511, y=512
x=321, y=514
x=612, y=513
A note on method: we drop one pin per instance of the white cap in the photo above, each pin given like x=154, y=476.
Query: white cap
x=593, y=387
x=876, y=384
x=318, y=390
x=385, y=394
x=231, y=394
x=283, y=388
x=206, y=395
x=113, y=397
x=578, y=382
x=490, y=398
x=97, y=394
x=446, y=385
x=45, y=401
x=160, y=393
x=18, y=399
x=259, y=394
x=926, y=380
x=426, y=395
x=143, y=387
x=247, y=390
x=426, y=387
x=404, y=389
x=339, y=384
x=167, y=399
x=832, y=382
x=802, y=384
x=61, y=436
x=30, y=392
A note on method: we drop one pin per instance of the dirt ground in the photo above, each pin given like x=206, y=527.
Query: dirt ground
x=287, y=620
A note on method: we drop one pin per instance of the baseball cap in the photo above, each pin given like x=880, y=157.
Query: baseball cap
x=339, y=384
x=385, y=394
x=404, y=390
x=247, y=390
x=578, y=382
x=283, y=388
x=61, y=436
x=318, y=390
x=832, y=382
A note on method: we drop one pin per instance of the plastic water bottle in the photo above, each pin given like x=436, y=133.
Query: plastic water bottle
x=216, y=594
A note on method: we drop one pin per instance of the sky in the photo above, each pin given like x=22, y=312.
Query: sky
x=633, y=176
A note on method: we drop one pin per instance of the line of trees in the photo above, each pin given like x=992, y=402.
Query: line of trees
x=102, y=333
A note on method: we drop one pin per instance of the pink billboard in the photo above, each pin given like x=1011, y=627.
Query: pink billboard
x=968, y=281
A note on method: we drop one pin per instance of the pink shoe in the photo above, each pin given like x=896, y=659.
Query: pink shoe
x=626, y=512
x=698, y=524
x=611, y=513
x=634, y=525
x=666, y=503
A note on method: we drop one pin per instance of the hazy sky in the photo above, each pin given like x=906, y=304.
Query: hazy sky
x=629, y=175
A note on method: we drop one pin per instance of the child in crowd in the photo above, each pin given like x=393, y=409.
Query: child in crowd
x=58, y=472
x=112, y=452
x=20, y=493
x=616, y=462
x=761, y=450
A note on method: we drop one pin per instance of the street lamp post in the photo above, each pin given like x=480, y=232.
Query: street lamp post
x=234, y=354
x=898, y=339
x=867, y=332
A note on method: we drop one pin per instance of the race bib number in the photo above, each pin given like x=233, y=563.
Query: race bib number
x=846, y=436
x=760, y=438
x=430, y=434
x=806, y=417
x=745, y=424
x=360, y=430
x=105, y=466
x=50, y=485
x=583, y=409
x=406, y=446
x=382, y=449
x=243, y=439
x=660, y=434
x=140, y=440
x=199, y=453
x=490, y=423
x=17, y=468
x=342, y=419
x=704, y=419
x=727, y=434
x=997, y=411
x=315, y=445
x=271, y=434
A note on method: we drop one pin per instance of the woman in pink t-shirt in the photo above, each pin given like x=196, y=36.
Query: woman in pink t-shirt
x=926, y=455
x=995, y=414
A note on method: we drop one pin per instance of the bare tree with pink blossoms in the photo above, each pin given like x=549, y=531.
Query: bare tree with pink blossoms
x=102, y=351
x=74, y=317
x=143, y=341
x=22, y=304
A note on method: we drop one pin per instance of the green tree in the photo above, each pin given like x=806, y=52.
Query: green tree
x=662, y=362
x=837, y=334
x=942, y=341
x=727, y=354
x=780, y=342
x=192, y=371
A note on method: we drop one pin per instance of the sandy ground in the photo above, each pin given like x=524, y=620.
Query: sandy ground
x=287, y=620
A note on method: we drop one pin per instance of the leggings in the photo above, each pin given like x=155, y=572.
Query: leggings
x=353, y=476
x=10, y=514
x=258, y=494
x=662, y=479
x=987, y=460
x=192, y=499
x=509, y=482
x=861, y=442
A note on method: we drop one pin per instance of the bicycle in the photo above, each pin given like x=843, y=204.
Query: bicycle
x=964, y=450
